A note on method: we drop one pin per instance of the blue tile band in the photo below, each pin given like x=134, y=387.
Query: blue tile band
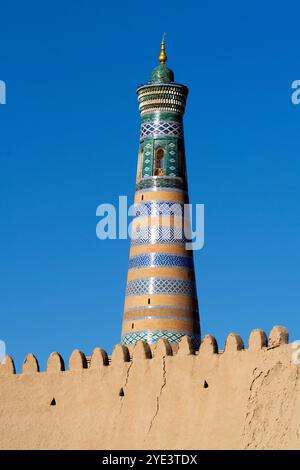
x=156, y=129
x=159, y=235
x=160, y=260
x=156, y=208
x=152, y=336
x=161, y=285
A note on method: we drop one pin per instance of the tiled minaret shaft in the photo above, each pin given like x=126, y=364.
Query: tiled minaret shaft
x=161, y=298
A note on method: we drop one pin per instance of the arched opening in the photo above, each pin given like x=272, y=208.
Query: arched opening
x=159, y=169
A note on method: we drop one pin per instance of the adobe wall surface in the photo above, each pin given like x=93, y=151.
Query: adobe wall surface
x=237, y=399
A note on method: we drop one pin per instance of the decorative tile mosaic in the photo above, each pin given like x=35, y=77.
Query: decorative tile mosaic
x=155, y=208
x=161, y=116
x=161, y=183
x=157, y=129
x=148, y=158
x=166, y=97
x=152, y=235
x=161, y=285
x=160, y=260
x=153, y=336
x=172, y=158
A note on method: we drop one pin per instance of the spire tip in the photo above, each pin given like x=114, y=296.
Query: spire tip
x=162, y=57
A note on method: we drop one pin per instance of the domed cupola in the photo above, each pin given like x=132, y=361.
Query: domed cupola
x=161, y=73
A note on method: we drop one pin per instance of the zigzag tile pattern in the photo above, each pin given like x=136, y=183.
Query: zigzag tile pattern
x=164, y=128
x=160, y=285
x=159, y=235
x=160, y=260
x=155, y=208
x=151, y=336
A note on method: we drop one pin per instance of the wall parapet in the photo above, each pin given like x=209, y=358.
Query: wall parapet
x=121, y=354
x=239, y=397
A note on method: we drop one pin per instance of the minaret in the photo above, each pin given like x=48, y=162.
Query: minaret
x=161, y=298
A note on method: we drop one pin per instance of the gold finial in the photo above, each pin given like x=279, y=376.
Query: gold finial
x=162, y=58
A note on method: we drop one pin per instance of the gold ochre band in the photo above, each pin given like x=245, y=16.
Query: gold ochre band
x=160, y=324
x=158, y=299
x=178, y=273
x=161, y=196
x=178, y=248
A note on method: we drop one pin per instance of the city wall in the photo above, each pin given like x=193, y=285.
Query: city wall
x=154, y=398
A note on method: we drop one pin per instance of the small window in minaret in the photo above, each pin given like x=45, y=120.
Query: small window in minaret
x=159, y=169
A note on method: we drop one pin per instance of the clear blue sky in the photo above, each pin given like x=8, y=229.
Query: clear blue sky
x=69, y=140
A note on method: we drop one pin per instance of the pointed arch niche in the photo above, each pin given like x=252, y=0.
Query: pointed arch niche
x=159, y=163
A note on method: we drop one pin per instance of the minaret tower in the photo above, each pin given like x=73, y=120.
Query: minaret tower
x=161, y=298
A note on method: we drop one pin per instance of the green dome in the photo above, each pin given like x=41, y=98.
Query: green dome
x=162, y=74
